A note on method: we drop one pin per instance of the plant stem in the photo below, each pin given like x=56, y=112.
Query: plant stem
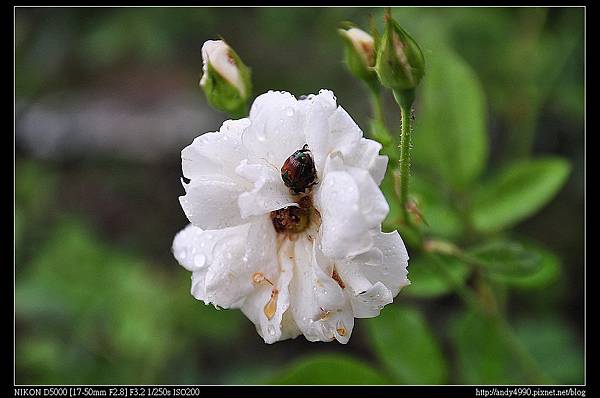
x=405, y=100
x=376, y=103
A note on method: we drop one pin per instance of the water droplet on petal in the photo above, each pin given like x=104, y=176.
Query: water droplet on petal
x=199, y=261
x=271, y=330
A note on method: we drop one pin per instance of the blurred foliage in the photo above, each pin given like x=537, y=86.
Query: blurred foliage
x=497, y=170
x=427, y=282
x=330, y=369
x=517, y=191
x=451, y=115
x=407, y=348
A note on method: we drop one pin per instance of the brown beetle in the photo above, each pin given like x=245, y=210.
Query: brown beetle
x=298, y=171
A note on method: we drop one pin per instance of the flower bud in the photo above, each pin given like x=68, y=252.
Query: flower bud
x=360, y=53
x=400, y=64
x=226, y=80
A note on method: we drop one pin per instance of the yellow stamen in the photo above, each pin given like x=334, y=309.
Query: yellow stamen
x=271, y=306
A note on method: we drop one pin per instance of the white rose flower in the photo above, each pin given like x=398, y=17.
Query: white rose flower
x=296, y=261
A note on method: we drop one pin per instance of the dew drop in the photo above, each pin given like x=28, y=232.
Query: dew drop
x=271, y=330
x=199, y=261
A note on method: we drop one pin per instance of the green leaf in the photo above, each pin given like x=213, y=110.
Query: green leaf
x=330, y=369
x=517, y=191
x=426, y=282
x=555, y=346
x=450, y=135
x=481, y=352
x=407, y=347
x=547, y=272
x=509, y=259
x=434, y=204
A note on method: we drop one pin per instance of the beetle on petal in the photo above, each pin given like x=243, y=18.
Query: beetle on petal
x=299, y=172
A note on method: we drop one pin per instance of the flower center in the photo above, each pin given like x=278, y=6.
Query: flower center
x=293, y=220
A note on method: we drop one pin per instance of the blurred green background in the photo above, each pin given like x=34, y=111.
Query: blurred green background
x=107, y=97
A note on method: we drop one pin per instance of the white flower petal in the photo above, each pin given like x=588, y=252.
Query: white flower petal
x=350, y=204
x=342, y=224
x=216, y=153
x=276, y=130
x=317, y=302
x=194, y=249
x=344, y=133
x=237, y=259
x=210, y=162
x=346, y=137
x=368, y=304
x=366, y=156
x=376, y=276
x=185, y=249
x=393, y=269
x=366, y=298
x=212, y=202
x=268, y=303
x=372, y=203
x=224, y=261
x=269, y=192
x=318, y=110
